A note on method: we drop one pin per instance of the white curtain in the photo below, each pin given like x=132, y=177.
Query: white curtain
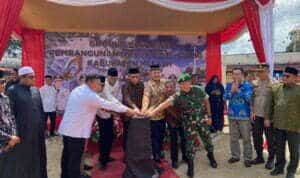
x=85, y=2
x=196, y=7
x=267, y=32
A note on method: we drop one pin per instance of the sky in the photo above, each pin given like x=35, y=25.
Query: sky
x=286, y=18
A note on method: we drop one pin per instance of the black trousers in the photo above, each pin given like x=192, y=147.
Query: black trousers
x=158, y=129
x=106, y=139
x=174, y=133
x=52, y=116
x=293, y=140
x=71, y=157
x=258, y=130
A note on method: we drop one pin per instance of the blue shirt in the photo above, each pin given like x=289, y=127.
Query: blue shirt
x=239, y=102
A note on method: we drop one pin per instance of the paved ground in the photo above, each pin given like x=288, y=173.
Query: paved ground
x=202, y=169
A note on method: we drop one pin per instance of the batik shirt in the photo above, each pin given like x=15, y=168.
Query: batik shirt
x=239, y=107
x=7, y=122
x=191, y=104
x=154, y=92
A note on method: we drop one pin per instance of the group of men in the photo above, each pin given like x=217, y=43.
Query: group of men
x=260, y=107
x=139, y=100
x=265, y=107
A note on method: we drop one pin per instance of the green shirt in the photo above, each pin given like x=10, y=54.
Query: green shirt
x=283, y=107
x=191, y=103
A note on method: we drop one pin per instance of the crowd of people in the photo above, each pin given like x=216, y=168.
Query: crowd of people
x=188, y=111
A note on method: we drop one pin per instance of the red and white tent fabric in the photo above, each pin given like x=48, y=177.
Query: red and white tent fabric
x=266, y=29
x=85, y=2
x=257, y=16
x=197, y=5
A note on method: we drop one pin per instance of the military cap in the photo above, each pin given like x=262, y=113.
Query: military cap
x=184, y=77
x=262, y=67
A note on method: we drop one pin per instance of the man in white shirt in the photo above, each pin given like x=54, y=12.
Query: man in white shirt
x=48, y=95
x=112, y=91
x=105, y=123
x=76, y=125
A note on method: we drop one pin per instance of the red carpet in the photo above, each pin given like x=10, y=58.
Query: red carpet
x=115, y=169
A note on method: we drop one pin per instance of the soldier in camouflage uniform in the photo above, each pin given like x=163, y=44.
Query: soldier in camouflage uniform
x=191, y=100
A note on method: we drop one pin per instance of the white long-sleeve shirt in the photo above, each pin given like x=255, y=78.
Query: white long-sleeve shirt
x=81, y=110
x=48, y=95
x=115, y=90
x=108, y=96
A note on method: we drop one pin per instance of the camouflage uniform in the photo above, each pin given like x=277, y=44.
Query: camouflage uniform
x=192, y=106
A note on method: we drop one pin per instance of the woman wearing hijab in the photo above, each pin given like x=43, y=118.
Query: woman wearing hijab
x=215, y=90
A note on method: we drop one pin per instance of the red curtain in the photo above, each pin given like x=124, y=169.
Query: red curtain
x=233, y=30
x=33, y=52
x=251, y=14
x=213, y=56
x=264, y=2
x=9, y=14
x=214, y=42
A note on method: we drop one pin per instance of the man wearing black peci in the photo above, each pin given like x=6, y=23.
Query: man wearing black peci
x=132, y=92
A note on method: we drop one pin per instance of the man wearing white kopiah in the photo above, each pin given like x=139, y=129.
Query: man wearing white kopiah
x=76, y=125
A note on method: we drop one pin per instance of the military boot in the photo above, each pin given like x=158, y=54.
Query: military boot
x=212, y=161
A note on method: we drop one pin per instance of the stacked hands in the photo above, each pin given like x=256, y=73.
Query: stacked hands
x=14, y=140
x=136, y=113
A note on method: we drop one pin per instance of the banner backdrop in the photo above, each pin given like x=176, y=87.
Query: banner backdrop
x=71, y=55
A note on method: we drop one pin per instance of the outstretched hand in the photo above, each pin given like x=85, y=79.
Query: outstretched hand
x=137, y=111
x=14, y=140
x=130, y=112
x=149, y=113
x=207, y=120
x=134, y=112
